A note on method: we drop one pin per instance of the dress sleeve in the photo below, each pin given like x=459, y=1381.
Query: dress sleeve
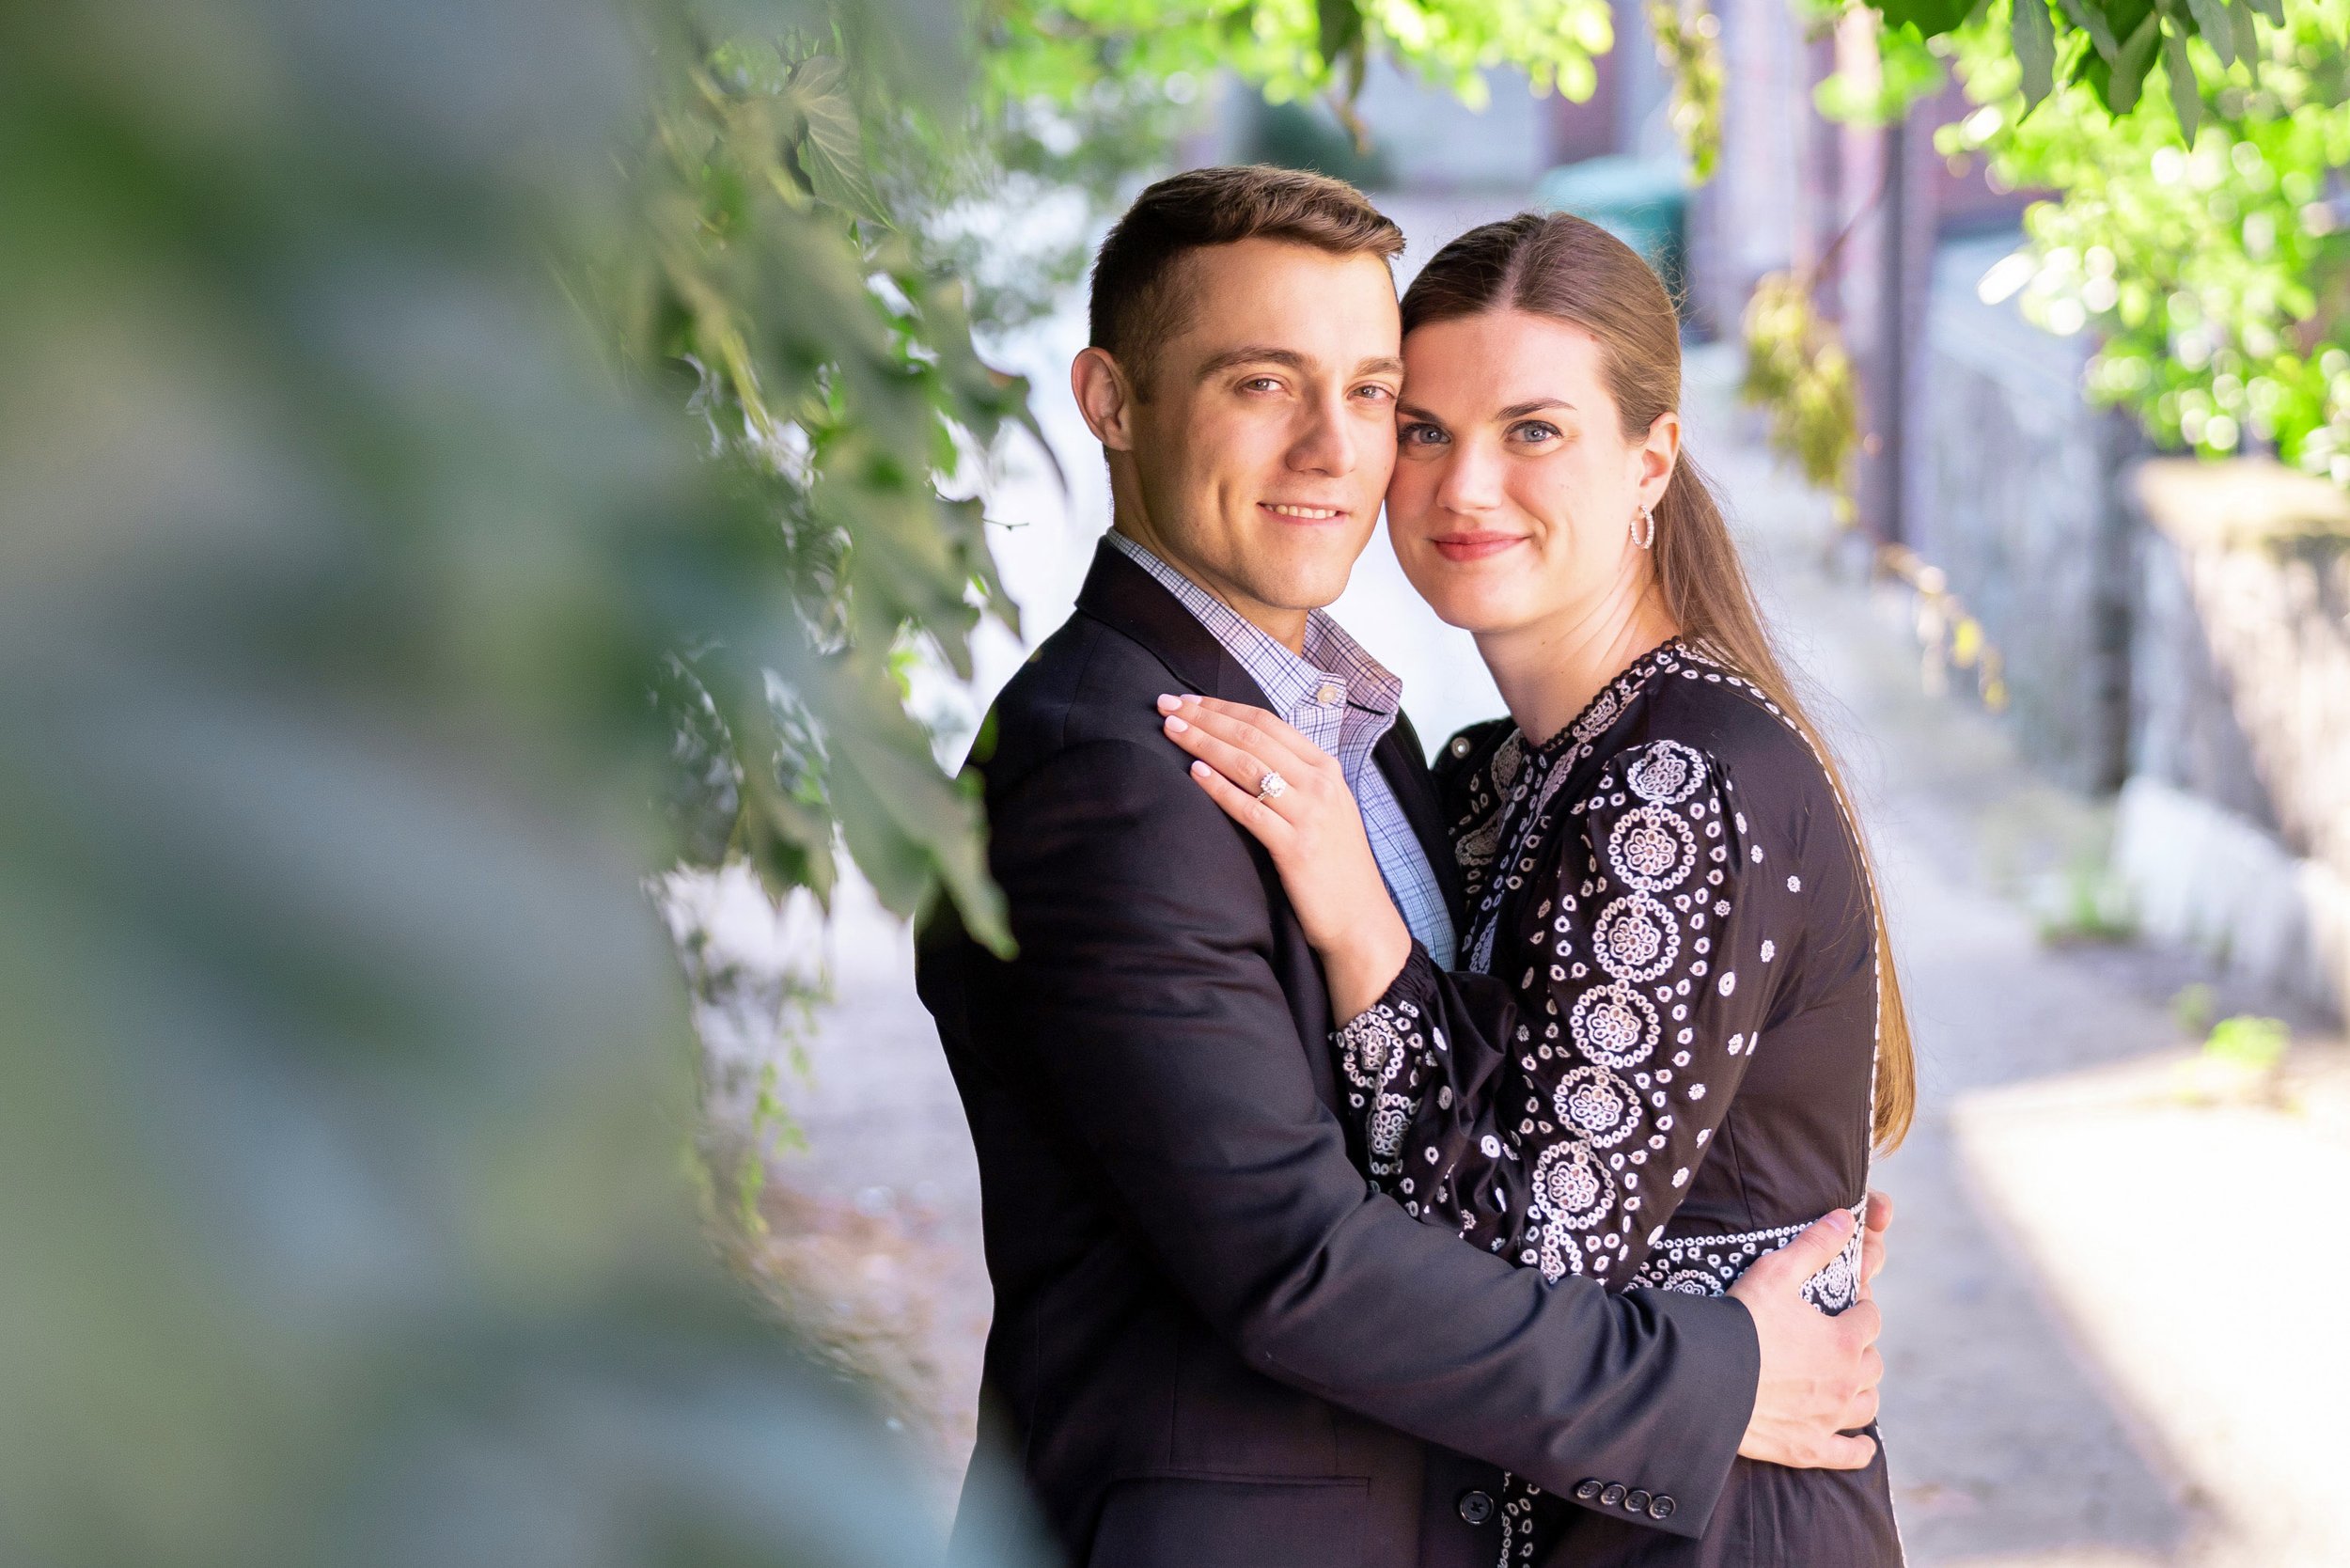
x=1557, y=1116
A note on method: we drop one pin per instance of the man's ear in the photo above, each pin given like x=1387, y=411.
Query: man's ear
x=1105, y=397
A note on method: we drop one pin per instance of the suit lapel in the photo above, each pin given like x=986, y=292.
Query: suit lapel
x=1123, y=596
x=1126, y=599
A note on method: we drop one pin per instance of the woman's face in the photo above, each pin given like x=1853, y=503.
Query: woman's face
x=1515, y=488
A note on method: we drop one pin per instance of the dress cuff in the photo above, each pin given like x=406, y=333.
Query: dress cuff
x=1414, y=983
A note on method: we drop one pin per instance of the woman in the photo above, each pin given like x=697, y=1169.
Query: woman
x=1682, y=1035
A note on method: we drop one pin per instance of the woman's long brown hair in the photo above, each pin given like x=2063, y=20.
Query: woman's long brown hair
x=1573, y=271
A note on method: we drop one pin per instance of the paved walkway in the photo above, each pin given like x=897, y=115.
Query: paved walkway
x=2111, y=1317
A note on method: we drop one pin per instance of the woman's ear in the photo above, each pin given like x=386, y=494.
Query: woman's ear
x=1105, y=397
x=1658, y=455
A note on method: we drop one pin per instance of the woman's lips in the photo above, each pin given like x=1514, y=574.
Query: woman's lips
x=1473, y=547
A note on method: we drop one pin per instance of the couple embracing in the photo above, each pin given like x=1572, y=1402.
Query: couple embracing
x=1388, y=1168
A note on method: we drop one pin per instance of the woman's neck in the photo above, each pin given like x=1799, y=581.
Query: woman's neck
x=1549, y=671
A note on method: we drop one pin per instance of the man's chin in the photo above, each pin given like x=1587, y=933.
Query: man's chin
x=1304, y=591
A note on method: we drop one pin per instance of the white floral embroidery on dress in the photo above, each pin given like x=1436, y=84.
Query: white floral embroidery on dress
x=1709, y=1265
x=1374, y=1049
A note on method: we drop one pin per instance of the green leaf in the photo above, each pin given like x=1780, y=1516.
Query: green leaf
x=2218, y=27
x=2185, y=101
x=2033, y=34
x=1931, y=18
x=832, y=147
x=2088, y=16
x=1338, y=30
x=2273, y=10
x=2248, y=42
x=2128, y=76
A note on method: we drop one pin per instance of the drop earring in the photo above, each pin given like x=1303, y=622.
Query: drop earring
x=1644, y=529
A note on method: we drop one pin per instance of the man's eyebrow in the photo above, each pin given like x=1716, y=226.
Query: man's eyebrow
x=1254, y=353
x=1382, y=366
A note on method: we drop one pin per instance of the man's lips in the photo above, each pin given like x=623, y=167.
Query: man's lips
x=1473, y=548
x=1304, y=511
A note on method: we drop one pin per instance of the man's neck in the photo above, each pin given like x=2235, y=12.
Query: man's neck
x=1284, y=626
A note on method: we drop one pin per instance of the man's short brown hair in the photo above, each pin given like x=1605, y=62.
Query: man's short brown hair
x=1140, y=297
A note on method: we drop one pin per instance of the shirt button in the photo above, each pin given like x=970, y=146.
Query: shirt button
x=1475, y=1507
x=1637, y=1500
x=1461, y=746
x=1661, y=1507
x=1612, y=1495
x=1327, y=695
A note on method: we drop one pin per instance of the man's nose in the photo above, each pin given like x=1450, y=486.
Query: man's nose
x=1329, y=443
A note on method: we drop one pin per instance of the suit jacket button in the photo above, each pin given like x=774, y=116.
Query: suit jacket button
x=1637, y=1500
x=1587, y=1491
x=1611, y=1497
x=1475, y=1507
x=1660, y=1507
x=1461, y=746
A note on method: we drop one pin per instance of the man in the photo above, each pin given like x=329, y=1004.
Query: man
x=1212, y=1346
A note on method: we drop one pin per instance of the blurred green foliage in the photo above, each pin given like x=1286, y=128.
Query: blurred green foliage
x=2252, y=1044
x=2206, y=246
x=1690, y=46
x=2201, y=232
x=349, y=529
x=1056, y=49
x=1798, y=373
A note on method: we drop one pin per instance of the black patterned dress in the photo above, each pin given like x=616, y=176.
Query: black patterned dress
x=1662, y=1065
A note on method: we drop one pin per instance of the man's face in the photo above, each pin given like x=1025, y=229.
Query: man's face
x=1259, y=461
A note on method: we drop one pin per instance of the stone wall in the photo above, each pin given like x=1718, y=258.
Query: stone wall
x=2013, y=494
x=2235, y=829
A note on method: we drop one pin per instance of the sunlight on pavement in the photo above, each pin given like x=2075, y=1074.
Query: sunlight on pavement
x=2192, y=1251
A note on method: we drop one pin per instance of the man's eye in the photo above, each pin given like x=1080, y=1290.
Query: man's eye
x=1261, y=383
x=1376, y=393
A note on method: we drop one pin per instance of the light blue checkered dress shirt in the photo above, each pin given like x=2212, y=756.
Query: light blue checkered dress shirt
x=1343, y=700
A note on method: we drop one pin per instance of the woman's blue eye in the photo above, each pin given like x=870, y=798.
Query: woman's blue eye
x=1423, y=436
x=1535, y=429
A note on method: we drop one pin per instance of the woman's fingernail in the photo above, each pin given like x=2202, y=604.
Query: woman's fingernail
x=1191, y=696
x=1176, y=726
x=1169, y=704
x=1200, y=770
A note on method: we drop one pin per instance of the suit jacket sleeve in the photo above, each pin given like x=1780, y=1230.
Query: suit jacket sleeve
x=1151, y=1019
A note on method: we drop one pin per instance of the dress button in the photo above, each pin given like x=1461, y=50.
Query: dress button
x=1637, y=1500
x=1475, y=1507
x=1613, y=1496
x=1660, y=1507
x=1586, y=1492
x=1461, y=746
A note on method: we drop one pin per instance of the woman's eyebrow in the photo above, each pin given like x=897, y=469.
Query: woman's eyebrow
x=1519, y=411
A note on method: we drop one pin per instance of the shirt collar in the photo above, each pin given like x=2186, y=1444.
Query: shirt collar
x=1331, y=657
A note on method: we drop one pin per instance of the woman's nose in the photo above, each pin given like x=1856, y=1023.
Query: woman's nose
x=1470, y=481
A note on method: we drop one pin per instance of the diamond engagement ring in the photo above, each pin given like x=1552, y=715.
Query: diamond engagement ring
x=1271, y=786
